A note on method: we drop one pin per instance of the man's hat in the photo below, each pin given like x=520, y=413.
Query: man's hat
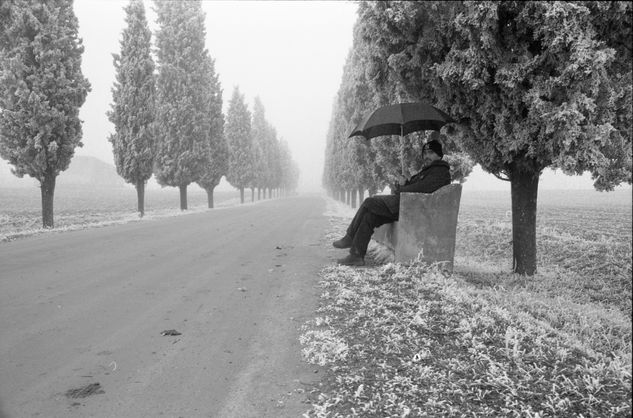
x=435, y=146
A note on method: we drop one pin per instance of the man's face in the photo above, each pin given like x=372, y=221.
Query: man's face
x=429, y=156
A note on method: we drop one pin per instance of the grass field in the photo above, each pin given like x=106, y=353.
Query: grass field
x=78, y=207
x=583, y=239
x=400, y=341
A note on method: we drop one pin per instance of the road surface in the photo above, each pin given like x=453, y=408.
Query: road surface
x=88, y=307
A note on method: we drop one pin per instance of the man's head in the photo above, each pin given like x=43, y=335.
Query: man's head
x=432, y=151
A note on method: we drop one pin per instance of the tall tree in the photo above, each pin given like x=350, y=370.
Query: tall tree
x=328, y=179
x=355, y=100
x=272, y=159
x=541, y=84
x=218, y=157
x=240, y=141
x=400, y=43
x=133, y=105
x=41, y=90
x=534, y=84
x=385, y=35
x=289, y=169
x=259, y=131
x=181, y=124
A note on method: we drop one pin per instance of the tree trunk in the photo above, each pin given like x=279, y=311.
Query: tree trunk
x=183, y=197
x=361, y=195
x=259, y=193
x=140, y=197
x=252, y=194
x=47, y=187
x=210, y=196
x=241, y=195
x=353, y=193
x=524, y=189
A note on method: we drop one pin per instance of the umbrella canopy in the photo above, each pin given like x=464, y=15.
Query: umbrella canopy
x=401, y=119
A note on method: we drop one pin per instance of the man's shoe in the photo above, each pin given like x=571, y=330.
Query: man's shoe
x=352, y=260
x=345, y=242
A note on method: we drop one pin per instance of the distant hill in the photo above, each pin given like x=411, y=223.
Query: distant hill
x=83, y=171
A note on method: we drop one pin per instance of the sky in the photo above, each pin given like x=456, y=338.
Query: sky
x=289, y=53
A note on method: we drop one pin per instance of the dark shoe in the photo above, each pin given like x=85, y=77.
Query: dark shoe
x=345, y=242
x=352, y=260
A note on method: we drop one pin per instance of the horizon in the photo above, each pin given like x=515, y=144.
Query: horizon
x=478, y=180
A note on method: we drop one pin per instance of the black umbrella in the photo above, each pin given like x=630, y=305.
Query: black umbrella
x=401, y=119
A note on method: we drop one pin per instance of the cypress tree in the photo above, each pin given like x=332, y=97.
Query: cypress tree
x=133, y=105
x=289, y=170
x=259, y=131
x=182, y=128
x=534, y=85
x=218, y=156
x=538, y=89
x=240, y=141
x=41, y=90
x=270, y=157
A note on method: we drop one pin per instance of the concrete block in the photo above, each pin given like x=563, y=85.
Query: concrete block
x=387, y=235
x=427, y=226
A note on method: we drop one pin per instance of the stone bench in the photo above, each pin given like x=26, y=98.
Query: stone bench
x=427, y=226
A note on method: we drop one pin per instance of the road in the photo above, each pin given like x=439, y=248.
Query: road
x=85, y=307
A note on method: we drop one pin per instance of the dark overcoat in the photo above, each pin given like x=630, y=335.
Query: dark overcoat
x=429, y=179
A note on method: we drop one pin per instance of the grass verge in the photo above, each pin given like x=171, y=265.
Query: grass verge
x=407, y=341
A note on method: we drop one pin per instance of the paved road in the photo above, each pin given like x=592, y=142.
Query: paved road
x=85, y=307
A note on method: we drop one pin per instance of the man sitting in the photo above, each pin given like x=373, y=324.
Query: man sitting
x=381, y=209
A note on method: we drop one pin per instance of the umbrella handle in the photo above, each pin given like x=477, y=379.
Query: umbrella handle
x=402, y=165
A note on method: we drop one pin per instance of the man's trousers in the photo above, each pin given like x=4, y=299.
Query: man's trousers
x=372, y=213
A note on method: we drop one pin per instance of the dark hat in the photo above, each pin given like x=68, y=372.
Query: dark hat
x=436, y=147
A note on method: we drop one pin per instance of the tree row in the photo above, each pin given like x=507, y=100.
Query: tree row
x=167, y=115
x=169, y=121
x=532, y=84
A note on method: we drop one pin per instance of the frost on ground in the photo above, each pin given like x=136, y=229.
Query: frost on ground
x=12, y=228
x=336, y=209
x=407, y=341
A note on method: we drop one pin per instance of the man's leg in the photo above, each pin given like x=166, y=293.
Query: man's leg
x=346, y=241
x=368, y=223
x=376, y=213
x=375, y=204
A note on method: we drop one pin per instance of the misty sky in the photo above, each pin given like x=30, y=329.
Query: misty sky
x=289, y=53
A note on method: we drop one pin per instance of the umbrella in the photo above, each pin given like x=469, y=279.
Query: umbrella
x=401, y=119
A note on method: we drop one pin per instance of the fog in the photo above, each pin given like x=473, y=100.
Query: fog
x=290, y=54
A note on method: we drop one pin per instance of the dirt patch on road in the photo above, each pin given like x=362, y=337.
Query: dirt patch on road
x=85, y=391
